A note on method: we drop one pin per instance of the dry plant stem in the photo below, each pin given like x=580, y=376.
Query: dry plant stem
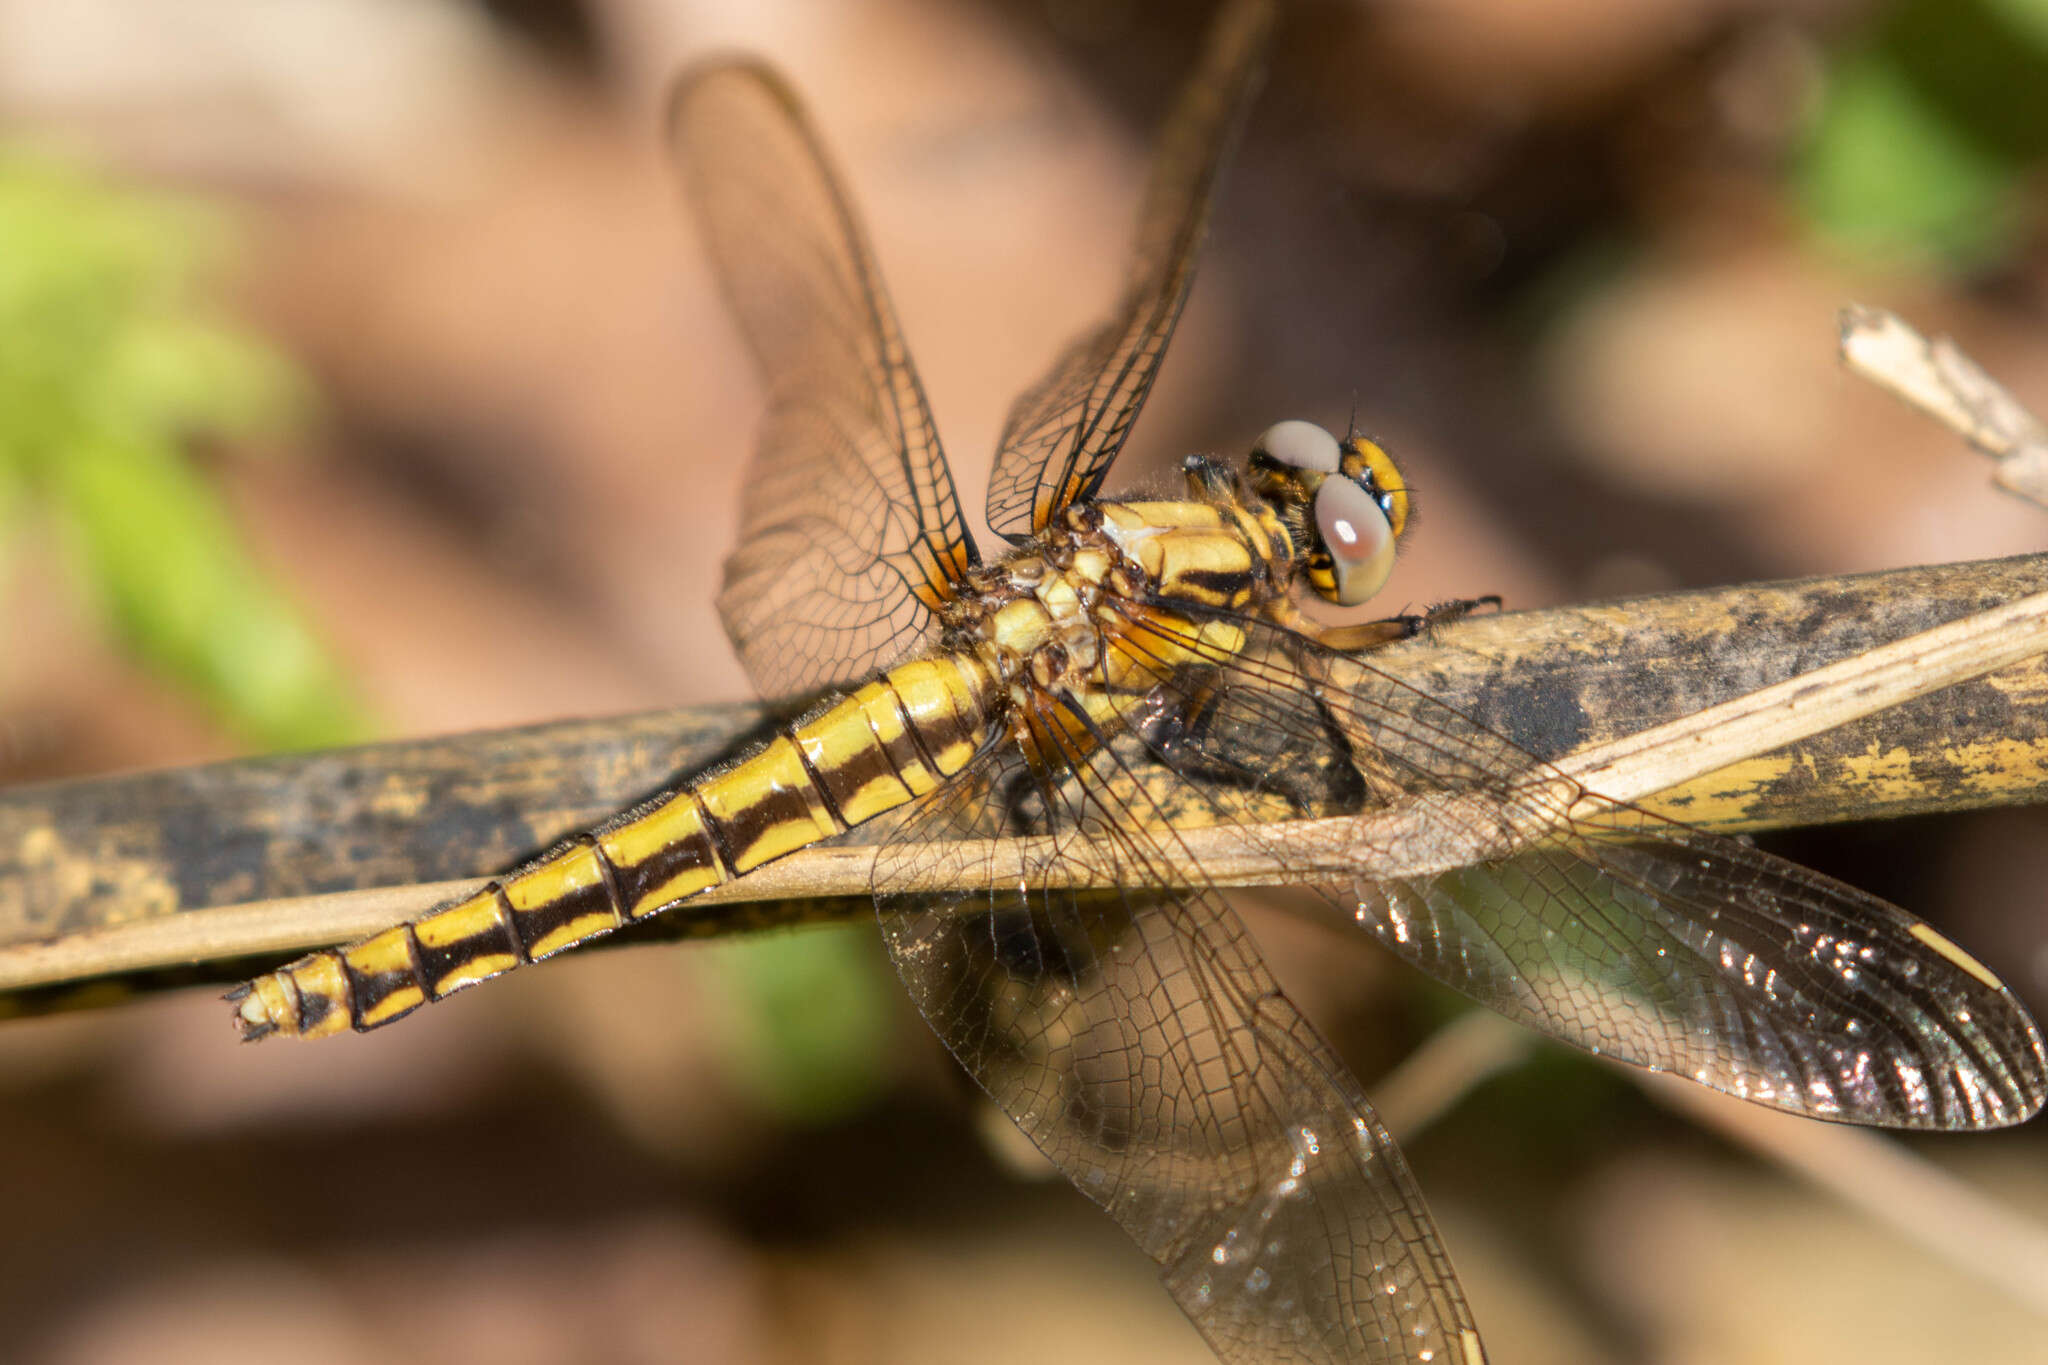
x=82, y=854
x=1410, y=836
x=1662, y=757
x=1451, y=1063
x=1940, y=380
x=1879, y=1176
x=283, y=925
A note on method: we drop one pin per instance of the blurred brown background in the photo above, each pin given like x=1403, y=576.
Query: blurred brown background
x=1575, y=261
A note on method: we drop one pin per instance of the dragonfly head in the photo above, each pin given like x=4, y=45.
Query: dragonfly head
x=1344, y=502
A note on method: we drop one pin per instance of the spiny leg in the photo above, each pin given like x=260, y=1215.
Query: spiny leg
x=1381, y=779
x=1367, y=635
x=1186, y=737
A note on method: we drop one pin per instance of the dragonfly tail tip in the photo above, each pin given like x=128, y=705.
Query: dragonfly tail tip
x=252, y=1022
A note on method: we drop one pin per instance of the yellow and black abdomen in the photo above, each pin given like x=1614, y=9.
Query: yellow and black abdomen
x=865, y=754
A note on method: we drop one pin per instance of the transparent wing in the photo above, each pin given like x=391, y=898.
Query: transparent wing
x=1624, y=934
x=850, y=530
x=1065, y=430
x=1137, y=1038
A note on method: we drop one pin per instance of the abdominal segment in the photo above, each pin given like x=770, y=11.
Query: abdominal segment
x=856, y=758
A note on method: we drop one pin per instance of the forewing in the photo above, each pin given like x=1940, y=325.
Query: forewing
x=1621, y=933
x=1065, y=430
x=850, y=530
x=1136, y=1036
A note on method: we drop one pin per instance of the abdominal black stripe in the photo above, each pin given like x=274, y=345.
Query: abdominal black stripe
x=859, y=770
x=882, y=746
x=290, y=982
x=954, y=727
x=412, y=958
x=348, y=991
x=609, y=873
x=903, y=748
x=818, y=783
x=715, y=832
x=508, y=920
x=910, y=729
x=314, y=1008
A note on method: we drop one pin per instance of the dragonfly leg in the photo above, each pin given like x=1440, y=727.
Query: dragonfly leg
x=1334, y=683
x=1366, y=635
x=1196, y=740
x=1211, y=480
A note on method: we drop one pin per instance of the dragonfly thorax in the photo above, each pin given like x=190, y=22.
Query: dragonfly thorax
x=1049, y=616
x=1030, y=618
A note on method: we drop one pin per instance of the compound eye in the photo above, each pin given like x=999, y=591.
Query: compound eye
x=1359, y=539
x=1303, y=445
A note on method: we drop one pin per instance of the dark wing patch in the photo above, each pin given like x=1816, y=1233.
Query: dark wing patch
x=1065, y=430
x=850, y=531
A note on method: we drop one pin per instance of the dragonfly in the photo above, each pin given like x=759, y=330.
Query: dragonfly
x=1125, y=672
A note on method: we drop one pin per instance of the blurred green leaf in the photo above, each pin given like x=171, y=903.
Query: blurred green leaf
x=817, y=1012
x=1886, y=174
x=159, y=551
x=1981, y=66
x=1930, y=131
x=2026, y=19
x=111, y=362
x=188, y=374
